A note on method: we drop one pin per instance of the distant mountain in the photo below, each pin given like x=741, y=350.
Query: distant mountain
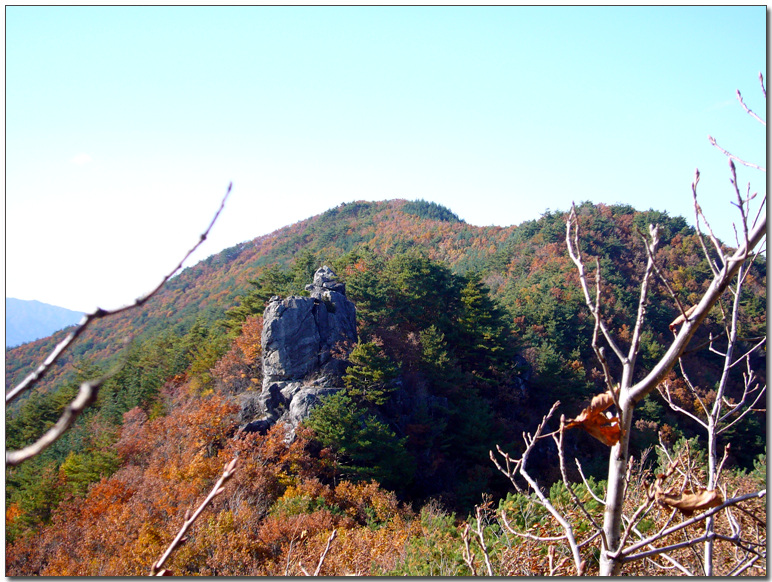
x=26, y=321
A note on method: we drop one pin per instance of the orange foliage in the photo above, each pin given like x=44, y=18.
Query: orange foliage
x=239, y=369
x=259, y=526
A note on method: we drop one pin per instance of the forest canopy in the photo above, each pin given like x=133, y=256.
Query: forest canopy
x=466, y=334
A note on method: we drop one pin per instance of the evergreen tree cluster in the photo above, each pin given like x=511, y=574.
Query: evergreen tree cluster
x=430, y=211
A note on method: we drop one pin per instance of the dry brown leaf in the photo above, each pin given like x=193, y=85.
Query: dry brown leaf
x=681, y=319
x=605, y=429
x=688, y=503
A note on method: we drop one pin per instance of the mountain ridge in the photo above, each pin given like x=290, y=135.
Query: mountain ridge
x=508, y=257
x=383, y=224
x=29, y=320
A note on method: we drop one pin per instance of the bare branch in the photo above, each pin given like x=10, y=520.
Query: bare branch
x=599, y=351
x=481, y=542
x=324, y=553
x=467, y=551
x=641, y=512
x=88, y=319
x=589, y=539
x=87, y=393
x=663, y=279
x=711, y=296
x=542, y=499
x=698, y=214
x=553, y=568
x=157, y=568
x=673, y=564
x=741, y=204
x=627, y=552
x=526, y=534
x=669, y=399
x=651, y=249
x=744, y=566
x=559, y=443
x=743, y=414
x=747, y=110
x=692, y=387
x=586, y=484
x=732, y=156
x=572, y=242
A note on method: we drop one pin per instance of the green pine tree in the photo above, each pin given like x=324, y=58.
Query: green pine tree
x=364, y=447
x=367, y=378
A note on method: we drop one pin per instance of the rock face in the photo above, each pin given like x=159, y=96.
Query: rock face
x=300, y=335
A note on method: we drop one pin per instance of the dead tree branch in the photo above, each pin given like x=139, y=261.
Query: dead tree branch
x=747, y=110
x=628, y=555
x=157, y=568
x=88, y=390
x=90, y=318
x=519, y=466
x=322, y=557
x=731, y=156
x=87, y=393
x=481, y=541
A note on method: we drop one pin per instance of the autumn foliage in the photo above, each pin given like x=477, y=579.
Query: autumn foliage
x=465, y=332
x=274, y=516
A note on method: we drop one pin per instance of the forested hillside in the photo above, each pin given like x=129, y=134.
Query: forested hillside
x=209, y=288
x=467, y=335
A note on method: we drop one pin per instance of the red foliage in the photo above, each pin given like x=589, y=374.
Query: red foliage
x=239, y=369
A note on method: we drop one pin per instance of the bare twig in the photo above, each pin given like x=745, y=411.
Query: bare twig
x=324, y=553
x=520, y=467
x=667, y=397
x=559, y=443
x=322, y=557
x=157, y=568
x=713, y=142
x=687, y=331
x=88, y=319
x=554, y=568
x=467, y=553
x=572, y=242
x=481, y=542
x=628, y=551
x=651, y=249
x=747, y=110
x=586, y=484
x=698, y=214
x=527, y=535
x=87, y=393
x=744, y=566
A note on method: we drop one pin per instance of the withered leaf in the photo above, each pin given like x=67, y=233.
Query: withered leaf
x=688, y=503
x=605, y=429
x=681, y=319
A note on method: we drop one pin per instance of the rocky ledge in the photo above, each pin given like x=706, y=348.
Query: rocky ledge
x=305, y=341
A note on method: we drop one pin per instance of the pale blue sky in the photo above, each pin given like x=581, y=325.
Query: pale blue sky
x=124, y=125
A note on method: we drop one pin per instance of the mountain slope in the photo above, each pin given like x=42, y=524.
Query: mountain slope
x=525, y=266
x=212, y=286
x=480, y=331
x=26, y=321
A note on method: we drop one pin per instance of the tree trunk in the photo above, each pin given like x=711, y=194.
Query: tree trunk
x=615, y=494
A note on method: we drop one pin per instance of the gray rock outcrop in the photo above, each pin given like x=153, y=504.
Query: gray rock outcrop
x=304, y=340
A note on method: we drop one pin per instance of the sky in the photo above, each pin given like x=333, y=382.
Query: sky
x=125, y=125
